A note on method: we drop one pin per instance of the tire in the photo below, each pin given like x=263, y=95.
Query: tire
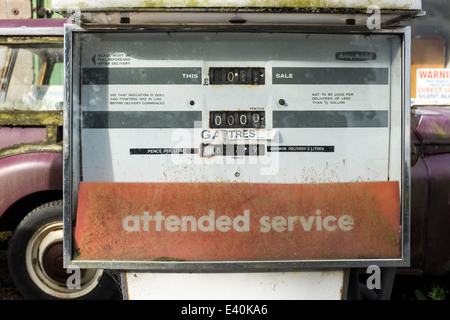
x=35, y=261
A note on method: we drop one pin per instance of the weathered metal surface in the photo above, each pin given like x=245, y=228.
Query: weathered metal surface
x=238, y=222
x=24, y=174
x=430, y=191
x=433, y=129
x=33, y=23
x=32, y=30
x=438, y=218
x=218, y=12
x=332, y=4
x=10, y=136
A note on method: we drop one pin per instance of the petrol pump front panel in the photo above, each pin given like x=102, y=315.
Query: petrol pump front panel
x=211, y=149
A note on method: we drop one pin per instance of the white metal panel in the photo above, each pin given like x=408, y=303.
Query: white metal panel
x=359, y=153
x=305, y=285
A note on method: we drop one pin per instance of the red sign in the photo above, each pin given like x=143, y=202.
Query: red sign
x=237, y=221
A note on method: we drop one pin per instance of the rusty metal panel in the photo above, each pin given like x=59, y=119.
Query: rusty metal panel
x=237, y=222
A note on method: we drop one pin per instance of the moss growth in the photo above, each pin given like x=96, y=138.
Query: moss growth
x=31, y=118
x=31, y=40
x=30, y=147
x=168, y=259
x=52, y=120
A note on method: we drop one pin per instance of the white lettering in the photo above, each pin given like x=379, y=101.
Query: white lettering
x=328, y=223
x=345, y=223
x=146, y=220
x=265, y=225
x=245, y=221
x=307, y=225
x=240, y=223
x=209, y=220
x=191, y=220
x=172, y=223
x=284, y=75
x=279, y=224
x=326, y=226
x=189, y=75
x=223, y=223
x=135, y=223
x=198, y=310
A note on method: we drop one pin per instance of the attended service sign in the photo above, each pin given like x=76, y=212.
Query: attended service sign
x=238, y=222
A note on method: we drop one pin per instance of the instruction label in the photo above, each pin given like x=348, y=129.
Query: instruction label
x=332, y=98
x=112, y=59
x=136, y=99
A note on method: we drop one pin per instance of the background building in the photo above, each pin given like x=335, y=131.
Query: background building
x=430, y=39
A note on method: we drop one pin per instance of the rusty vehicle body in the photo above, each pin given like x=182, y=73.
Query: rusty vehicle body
x=31, y=161
x=430, y=191
x=30, y=146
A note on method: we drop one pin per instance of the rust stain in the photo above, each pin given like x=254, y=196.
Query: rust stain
x=238, y=221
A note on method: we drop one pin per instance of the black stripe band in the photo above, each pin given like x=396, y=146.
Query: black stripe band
x=137, y=76
x=330, y=119
x=140, y=119
x=325, y=76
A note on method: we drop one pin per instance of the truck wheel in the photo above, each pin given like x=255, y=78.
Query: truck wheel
x=35, y=259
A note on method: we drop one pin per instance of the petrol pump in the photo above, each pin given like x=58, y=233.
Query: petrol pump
x=237, y=150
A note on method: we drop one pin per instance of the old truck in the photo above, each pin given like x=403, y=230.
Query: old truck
x=430, y=190
x=31, y=169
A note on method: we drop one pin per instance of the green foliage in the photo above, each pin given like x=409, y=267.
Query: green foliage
x=437, y=292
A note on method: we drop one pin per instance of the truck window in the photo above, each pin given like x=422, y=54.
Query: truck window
x=31, y=77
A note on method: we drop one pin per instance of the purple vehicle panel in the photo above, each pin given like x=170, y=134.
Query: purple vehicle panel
x=430, y=191
x=24, y=174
